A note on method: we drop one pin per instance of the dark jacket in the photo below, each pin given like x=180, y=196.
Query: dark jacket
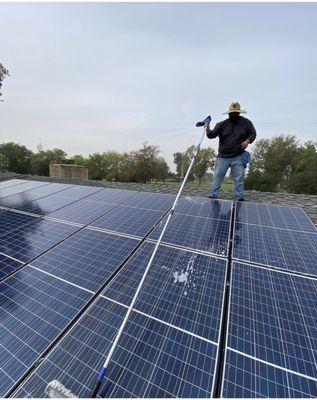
x=231, y=135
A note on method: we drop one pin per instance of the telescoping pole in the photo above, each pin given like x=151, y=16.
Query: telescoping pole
x=114, y=344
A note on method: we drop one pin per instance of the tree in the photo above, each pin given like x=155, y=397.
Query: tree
x=144, y=161
x=274, y=160
x=15, y=157
x=3, y=73
x=205, y=159
x=41, y=160
x=304, y=177
x=161, y=170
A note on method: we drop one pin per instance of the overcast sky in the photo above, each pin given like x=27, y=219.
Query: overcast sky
x=95, y=77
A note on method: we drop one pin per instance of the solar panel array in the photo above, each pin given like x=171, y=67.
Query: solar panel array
x=212, y=318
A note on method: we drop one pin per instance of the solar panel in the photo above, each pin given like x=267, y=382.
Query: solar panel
x=129, y=220
x=8, y=191
x=152, y=359
x=182, y=288
x=46, y=205
x=204, y=207
x=151, y=201
x=11, y=220
x=80, y=192
x=274, y=216
x=11, y=182
x=8, y=265
x=33, y=239
x=197, y=233
x=34, y=309
x=86, y=259
x=169, y=347
x=273, y=319
x=281, y=248
x=82, y=212
x=111, y=196
x=20, y=199
x=247, y=377
x=51, y=188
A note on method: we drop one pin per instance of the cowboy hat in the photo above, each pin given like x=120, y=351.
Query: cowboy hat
x=234, y=107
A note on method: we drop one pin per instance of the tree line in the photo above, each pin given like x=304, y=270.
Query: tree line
x=142, y=165
x=280, y=163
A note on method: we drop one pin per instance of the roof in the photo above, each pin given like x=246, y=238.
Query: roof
x=307, y=202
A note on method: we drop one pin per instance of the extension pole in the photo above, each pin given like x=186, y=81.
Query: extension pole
x=114, y=344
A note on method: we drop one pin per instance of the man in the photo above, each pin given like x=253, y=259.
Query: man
x=235, y=134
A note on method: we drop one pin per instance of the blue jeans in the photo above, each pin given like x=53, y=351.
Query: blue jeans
x=237, y=170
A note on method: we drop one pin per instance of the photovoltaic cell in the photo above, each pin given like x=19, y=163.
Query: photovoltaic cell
x=10, y=182
x=82, y=212
x=246, y=377
x=129, y=220
x=181, y=288
x=274, y=216
x=80, y=192
x=33, y=239
x=151, y=201
x=20, y=199
x=34, y=309
x=281, y=248
x=52, y=188
x=197, y=233
x=151, y=359
x=46, y=204
x=8, y=191
x=273, y=318
x=8, y=265
x=111, y=196
x=11, y=220
x=204, y=207
x=86, y=259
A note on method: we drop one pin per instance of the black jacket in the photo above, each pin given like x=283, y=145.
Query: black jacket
x=231, y=135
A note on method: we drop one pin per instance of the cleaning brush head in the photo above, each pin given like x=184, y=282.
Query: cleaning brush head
x=56, y=389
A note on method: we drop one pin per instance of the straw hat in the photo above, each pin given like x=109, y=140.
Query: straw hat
x=234, y=107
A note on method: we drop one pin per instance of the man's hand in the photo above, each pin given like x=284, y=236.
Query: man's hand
x=245, y=144
x=207, y=127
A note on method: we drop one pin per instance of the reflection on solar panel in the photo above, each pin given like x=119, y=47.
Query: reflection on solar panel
x=274, y=216
x=153, y=359
x=11, y=220
x=199, y=233
x=129, y=220
x=8, y=265
x=82, y=212
x=212, y=319
x=87, y=258
x=33, y=239
x=281, y=248
x=34, y=309
x=204, y=207
x=151, y=201
x=183, y=288
x=11, y=182
x=8, y=191
x=111, y=196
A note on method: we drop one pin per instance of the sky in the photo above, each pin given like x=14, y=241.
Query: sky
x=93, y=77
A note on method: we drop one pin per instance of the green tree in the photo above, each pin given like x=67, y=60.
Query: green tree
x=161, y=170
x=96, y=166
x=144, y=161
x=274, y=160
x=304, y=177
x=41, y=160
x=205, y=159
x=3, y=73
x=15, y=157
